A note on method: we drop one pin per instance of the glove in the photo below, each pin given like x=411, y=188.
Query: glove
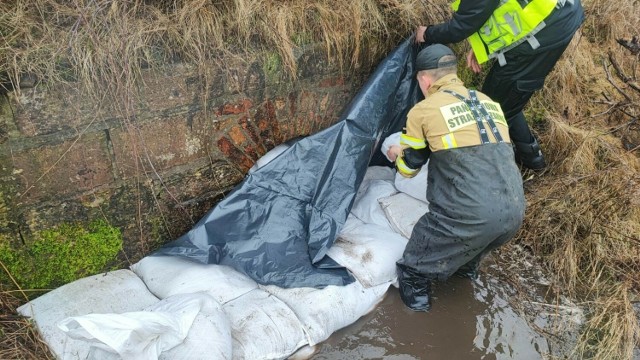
x=393, y=139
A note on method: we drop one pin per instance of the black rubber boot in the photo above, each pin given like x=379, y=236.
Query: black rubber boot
x=469, y=270
x=529, y=155
x=415, y=289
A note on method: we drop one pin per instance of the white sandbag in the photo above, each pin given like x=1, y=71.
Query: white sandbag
x=370, y=253
x=209, y=338
x=379, y=173
x=171, y=275
x=366, y=206
x=141, y=334
x=114, y=292
x=269, y=156
x=351, y=223
x=416, y=186
x=374, y=173
x=324, y=311
x=403, y=212
x=263, y=327
x=304, y=353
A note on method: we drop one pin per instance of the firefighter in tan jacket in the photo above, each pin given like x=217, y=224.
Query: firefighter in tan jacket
x=476, y=200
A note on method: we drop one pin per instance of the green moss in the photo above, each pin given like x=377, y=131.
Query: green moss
x=272, y=67
x=61, y=255
x=157, y=232
x=302, y=38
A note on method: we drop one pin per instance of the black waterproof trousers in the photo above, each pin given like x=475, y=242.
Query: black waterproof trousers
x=513, y=84
x=476, y=204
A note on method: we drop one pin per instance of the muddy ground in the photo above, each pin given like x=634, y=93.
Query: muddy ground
x=509, y=312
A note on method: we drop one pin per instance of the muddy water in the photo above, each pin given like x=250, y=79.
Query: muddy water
x=468, y=320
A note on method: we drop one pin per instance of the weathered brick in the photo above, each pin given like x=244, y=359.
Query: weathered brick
x=235, y=155
x=237, y=136
x=249, y=127
x=252, y=151
x=268, y=125
x=219, y=124
x=236, y=108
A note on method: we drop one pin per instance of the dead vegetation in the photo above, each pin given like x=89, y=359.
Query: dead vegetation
x=18, y=337
x=583, y=219
x=102, y=44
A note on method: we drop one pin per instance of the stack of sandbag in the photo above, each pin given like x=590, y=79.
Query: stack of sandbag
x=114, y=316
x=262, y=326
x=175, y=308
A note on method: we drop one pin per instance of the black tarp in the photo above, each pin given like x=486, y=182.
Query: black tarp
x=277, y=225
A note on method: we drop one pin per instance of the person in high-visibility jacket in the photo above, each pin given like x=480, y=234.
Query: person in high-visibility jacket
x=526, y=38
x=474, y=188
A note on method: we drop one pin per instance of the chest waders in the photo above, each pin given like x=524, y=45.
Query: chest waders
x=510, y=24
x=481, y=115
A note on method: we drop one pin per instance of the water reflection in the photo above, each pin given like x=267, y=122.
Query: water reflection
x=469, y=320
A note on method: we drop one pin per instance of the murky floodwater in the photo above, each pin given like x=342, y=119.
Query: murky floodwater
x=468, y=320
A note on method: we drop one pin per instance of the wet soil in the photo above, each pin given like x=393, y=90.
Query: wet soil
x=481, y=319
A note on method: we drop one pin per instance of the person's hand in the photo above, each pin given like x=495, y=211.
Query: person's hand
x=472, y=62
x=420, y=34
x=393, y=152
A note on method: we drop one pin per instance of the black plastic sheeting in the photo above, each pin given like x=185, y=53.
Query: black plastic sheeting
x=277, y=225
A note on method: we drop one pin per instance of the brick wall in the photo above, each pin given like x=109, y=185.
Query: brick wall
x=156, y=168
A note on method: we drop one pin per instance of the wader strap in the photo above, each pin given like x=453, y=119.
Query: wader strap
x=487, y=117
x=484, y=138
x=479, y=113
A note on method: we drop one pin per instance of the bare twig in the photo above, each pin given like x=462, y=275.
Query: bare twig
x=609, y=110
x=632, y=45
x=610, y=79
x=626, y=79
x=628, y=123
x=13, y=280
x=634, y=149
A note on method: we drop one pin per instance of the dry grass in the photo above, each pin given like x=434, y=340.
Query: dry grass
x=583, y=218
x=584, y=222
x=18, y=337
x=103, y=44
